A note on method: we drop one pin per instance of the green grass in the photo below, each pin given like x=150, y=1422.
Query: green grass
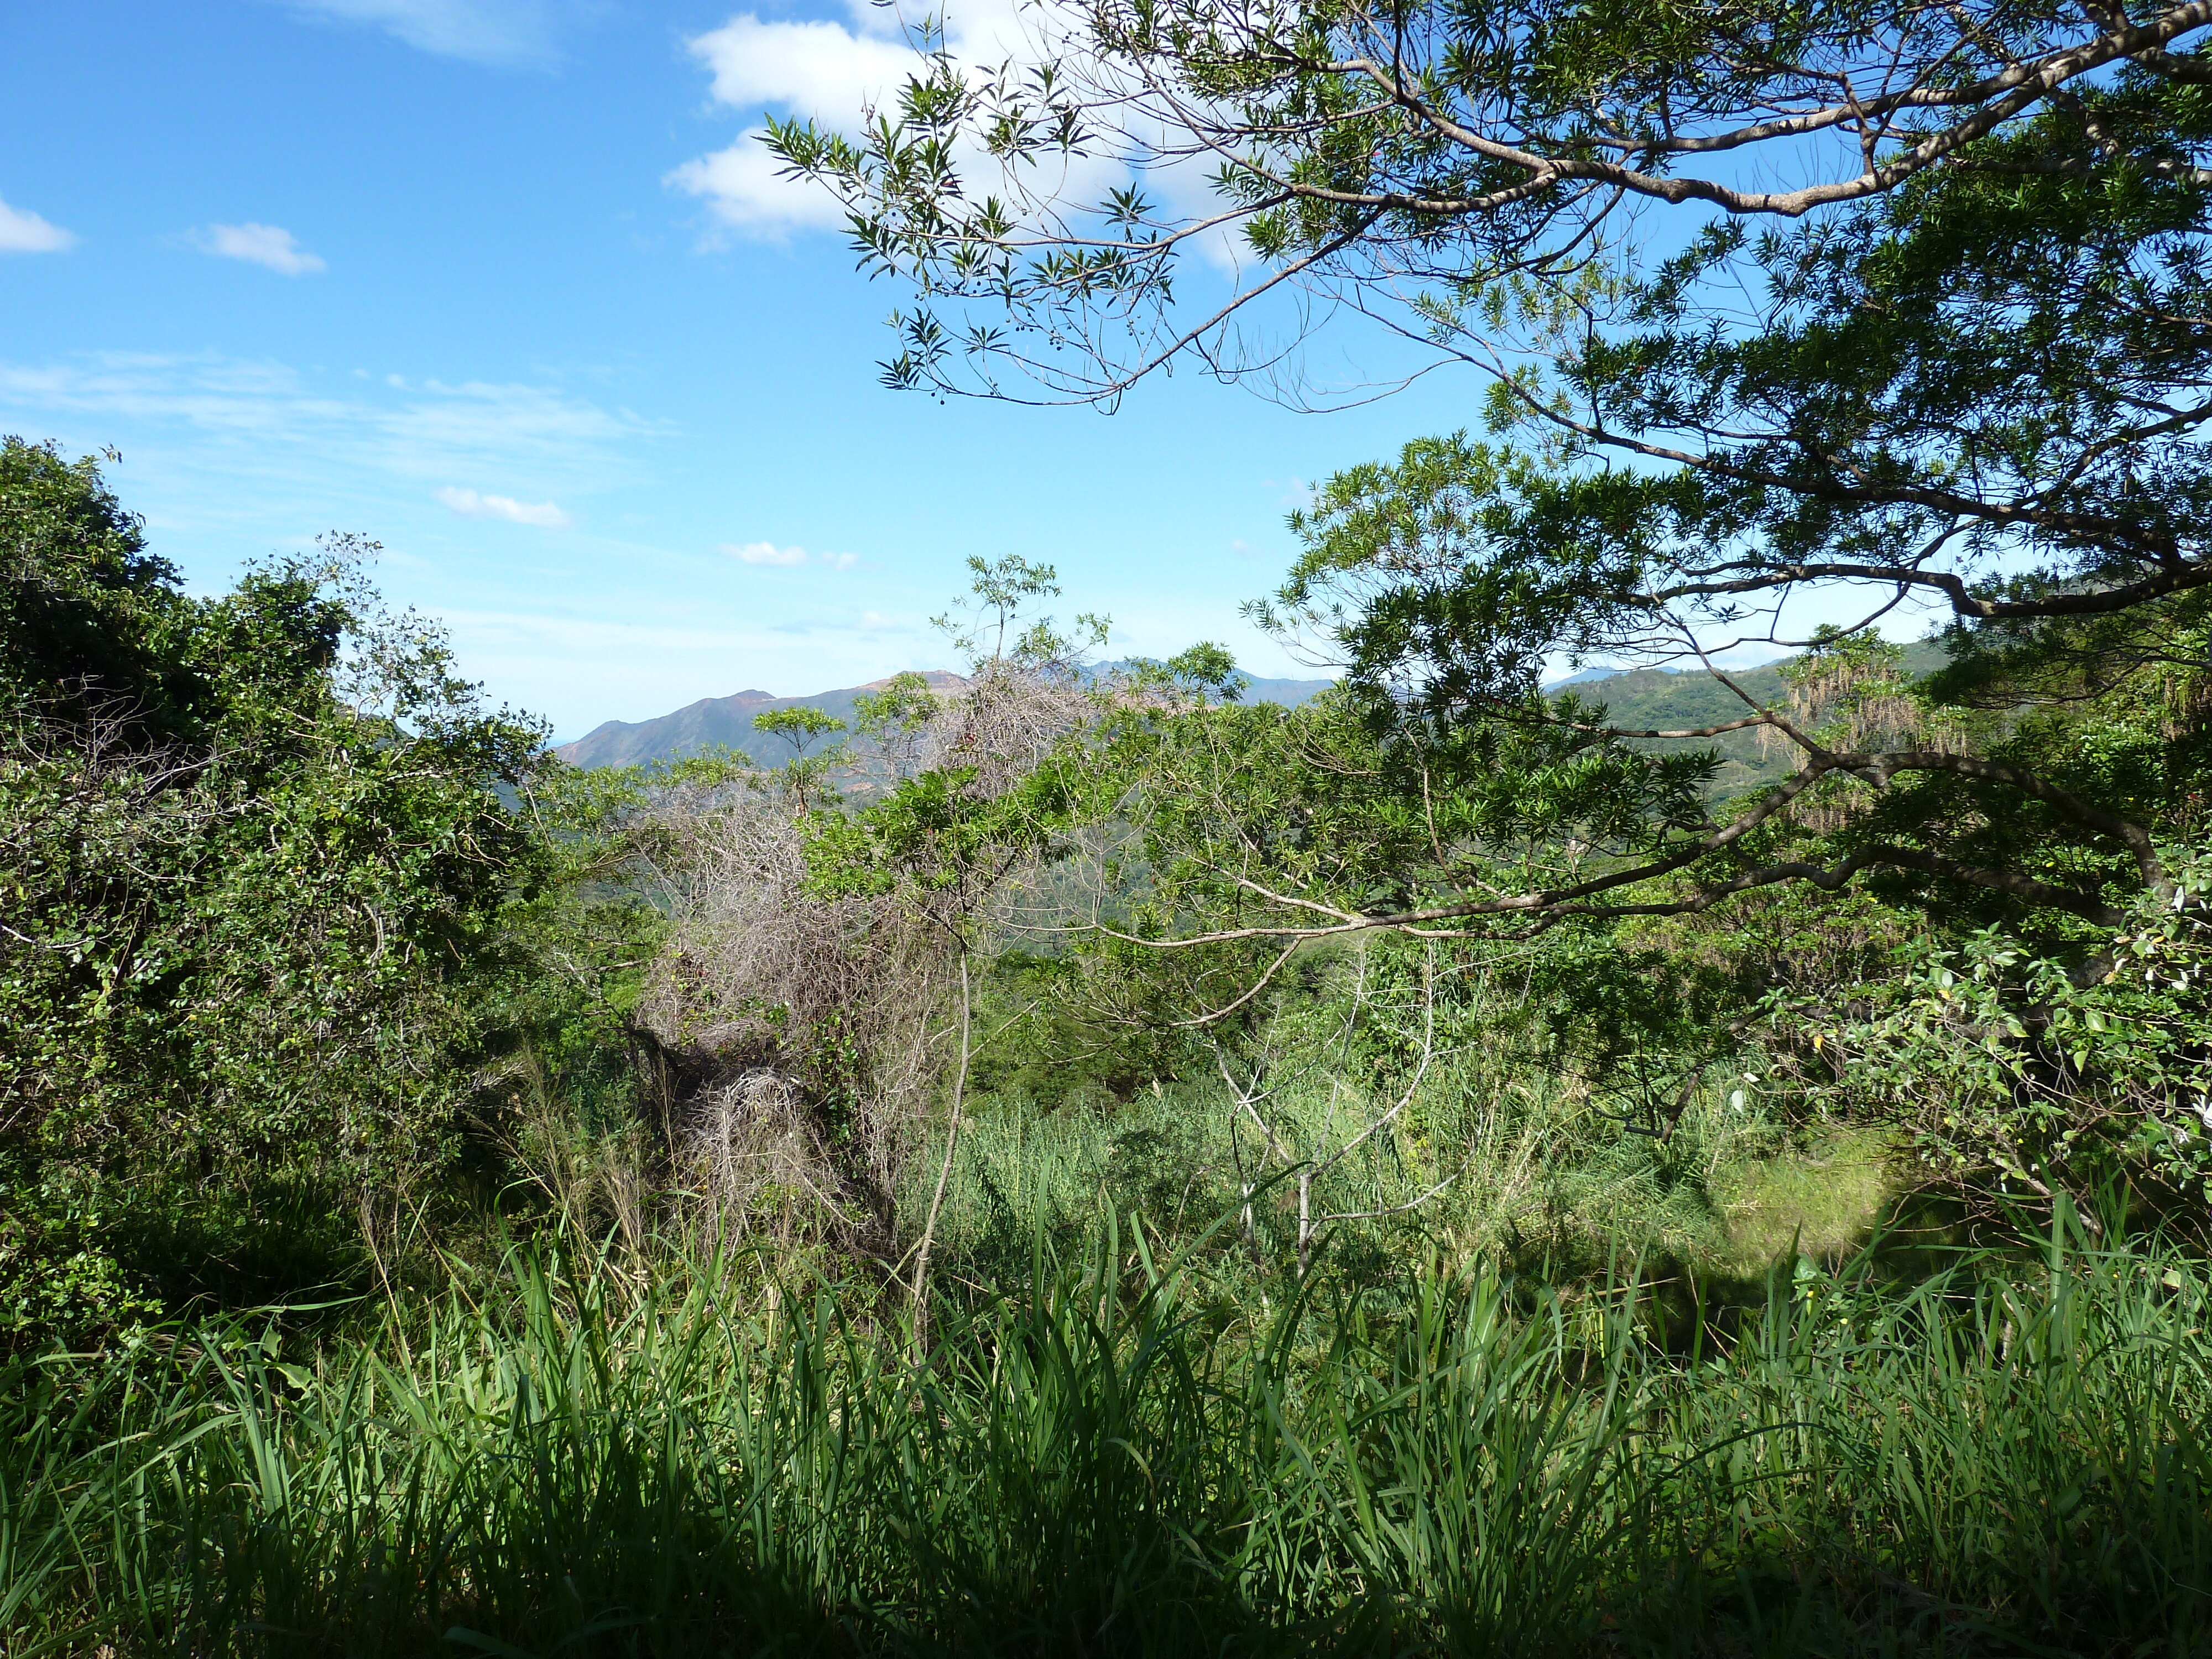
x=1492, y=1160
x=2008, y=1458
x=1822, y=1200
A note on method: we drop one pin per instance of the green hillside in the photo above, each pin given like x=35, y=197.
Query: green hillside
x=717, y=722
x=727, y=722
x=1653, y=699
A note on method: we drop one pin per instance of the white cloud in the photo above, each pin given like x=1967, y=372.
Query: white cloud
x=744, y=192
x=820, y=70
x=469, y=505
x=229, y=444
x=23, y=231
x=259, y=245
x=766, y=553
x=502, y=33
x=826, y=72
x=833, y=73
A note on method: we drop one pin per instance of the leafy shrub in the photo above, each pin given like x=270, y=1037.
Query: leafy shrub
x=254, y=858
x=2003, y=1063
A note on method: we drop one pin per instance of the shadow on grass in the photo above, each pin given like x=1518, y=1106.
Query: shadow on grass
x=2006, y=1459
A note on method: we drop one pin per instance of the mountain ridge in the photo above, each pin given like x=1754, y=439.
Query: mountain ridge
x=1647, y=697
x=713, y=722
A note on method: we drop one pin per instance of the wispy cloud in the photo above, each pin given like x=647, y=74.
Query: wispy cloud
x=271, y=245
x=544, y=515
x=240, y=443
x=23, y=231
x=765, y=553
x=557, y=633
x=789, y=557
x=501, y=34
x=434, y=427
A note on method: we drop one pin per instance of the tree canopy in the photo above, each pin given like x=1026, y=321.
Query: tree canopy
x=1411, y=159
x=1954, y=373
x=255, y=853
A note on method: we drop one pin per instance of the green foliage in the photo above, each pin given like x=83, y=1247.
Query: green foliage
x=936, y=836
x=2055, y=1079
x=2006, y=1457
x=998, y=592
x=1977, y=389
x=798, y=726
x=58, y=1268
x=1247, y=837
x=85, y=603
x=1465, y=168
x=897, y=719
x=1351, y=1010
x=1938, y=396
x=904, y=703
x=1957, y=367
x=805, y=777
x=253, y=884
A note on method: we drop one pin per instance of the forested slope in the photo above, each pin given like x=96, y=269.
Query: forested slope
x=727, y=722
x=1688, y=699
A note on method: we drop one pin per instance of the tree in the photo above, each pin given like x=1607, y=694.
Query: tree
x=1983, y=391
x=255, y=859
x=1415, y=160
x=897, y=721
x=1954, y=371
x=799, y=726
x=942, y=845
x=815, y=989
x=1970, y=375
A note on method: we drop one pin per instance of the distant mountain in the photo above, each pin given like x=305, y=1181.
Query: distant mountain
x=1921, y=657
x=1657, y=699
x=728, y=721
x=1588, y=674
x=1289, y=693
x=1672, y=700
x=718, y=722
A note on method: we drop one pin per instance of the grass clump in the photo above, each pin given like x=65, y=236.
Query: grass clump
x=1121, y=1460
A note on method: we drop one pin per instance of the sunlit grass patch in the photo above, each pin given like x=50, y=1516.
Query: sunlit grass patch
x=1824, y=1200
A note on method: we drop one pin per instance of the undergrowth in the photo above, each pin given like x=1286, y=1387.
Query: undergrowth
x=2005, y=1457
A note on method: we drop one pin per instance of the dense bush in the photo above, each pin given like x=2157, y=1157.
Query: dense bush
x=255, y=856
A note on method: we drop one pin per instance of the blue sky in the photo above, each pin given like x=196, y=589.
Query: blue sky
x=499, y=283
